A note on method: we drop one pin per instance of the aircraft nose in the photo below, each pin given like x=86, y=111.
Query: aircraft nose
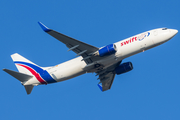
x=174, y=31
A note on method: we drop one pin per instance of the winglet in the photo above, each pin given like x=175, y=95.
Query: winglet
x=46, y=29
x=100, y=86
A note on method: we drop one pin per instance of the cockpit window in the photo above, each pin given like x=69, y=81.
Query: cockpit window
x=164, y=28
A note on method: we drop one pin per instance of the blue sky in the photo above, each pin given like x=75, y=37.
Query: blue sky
x=150, y=91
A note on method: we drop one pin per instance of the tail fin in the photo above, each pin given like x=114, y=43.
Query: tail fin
x=29, y=74
x=20, y=59
x=24, y=74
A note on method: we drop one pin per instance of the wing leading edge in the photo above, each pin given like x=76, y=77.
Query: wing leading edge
x=80, y=48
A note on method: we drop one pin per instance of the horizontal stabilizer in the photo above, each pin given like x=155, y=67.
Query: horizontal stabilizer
x=28, y=88
x=20, y=76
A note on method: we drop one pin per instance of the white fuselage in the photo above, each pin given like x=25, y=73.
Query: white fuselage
x=125, y=48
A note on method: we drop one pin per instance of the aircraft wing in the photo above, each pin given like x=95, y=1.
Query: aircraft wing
x=106, y=83
x=80, y=48
x=107, y=77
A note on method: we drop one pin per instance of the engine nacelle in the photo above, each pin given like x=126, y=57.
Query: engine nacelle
x=107, y=50
x=123, y=68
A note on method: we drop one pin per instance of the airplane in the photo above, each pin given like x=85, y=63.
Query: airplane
x=106, y=61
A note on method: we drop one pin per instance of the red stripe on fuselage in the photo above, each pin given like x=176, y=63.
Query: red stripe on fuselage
x=38, y=77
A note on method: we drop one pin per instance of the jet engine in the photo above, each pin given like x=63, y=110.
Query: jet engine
x=123, y=68
x=107, y=50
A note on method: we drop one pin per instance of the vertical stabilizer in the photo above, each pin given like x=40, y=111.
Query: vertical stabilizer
x=20, y=59
x=29, y=74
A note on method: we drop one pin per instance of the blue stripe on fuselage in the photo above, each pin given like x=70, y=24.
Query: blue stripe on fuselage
x=43, y=73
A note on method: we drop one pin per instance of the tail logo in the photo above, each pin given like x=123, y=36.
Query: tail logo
x=41, y=75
